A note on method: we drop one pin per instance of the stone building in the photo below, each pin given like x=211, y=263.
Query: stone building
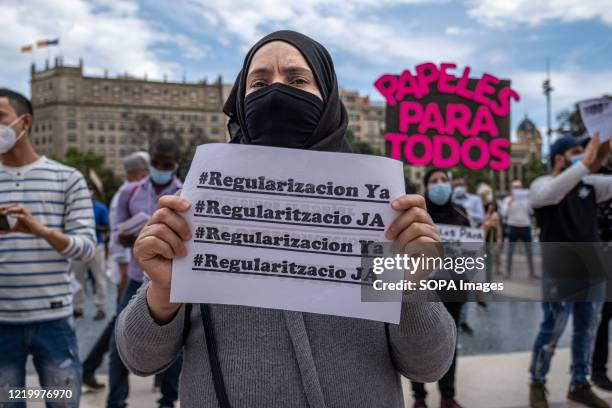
x=114, y=116
x=366, y=120
x=526, y=149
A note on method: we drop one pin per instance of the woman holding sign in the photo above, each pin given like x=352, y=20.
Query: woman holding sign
x=285, y=95
x=438, y=196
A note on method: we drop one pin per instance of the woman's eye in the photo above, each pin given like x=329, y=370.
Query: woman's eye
x=299, y=81
x=258, y=84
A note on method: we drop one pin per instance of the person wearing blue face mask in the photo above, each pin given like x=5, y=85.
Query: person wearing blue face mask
x=142, y=197
x=438, y=197
x=565, y=207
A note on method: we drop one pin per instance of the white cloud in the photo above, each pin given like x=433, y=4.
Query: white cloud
x=108, y=35
x=507, y=13
x=350, y=27
x=455, y=30
x=570, y=85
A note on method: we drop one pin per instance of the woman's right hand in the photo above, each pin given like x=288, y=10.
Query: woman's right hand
x=160, y=241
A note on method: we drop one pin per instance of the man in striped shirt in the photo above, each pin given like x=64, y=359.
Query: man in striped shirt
x=49, y=212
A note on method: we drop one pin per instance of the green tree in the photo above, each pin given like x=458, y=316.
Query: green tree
x=411, y=187
x=360, y=146
x=535, y=168
x=84, y=162
x=570, y=121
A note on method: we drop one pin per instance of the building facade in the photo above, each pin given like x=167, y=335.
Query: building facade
x=116, y=116
x=366, y=120
x=524, y=152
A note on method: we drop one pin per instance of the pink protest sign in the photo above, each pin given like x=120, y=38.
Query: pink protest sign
x=439, y=116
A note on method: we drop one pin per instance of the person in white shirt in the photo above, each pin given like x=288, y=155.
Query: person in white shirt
x=516, y=211
x=48, y=221
x=470, y=202
x=136, y=168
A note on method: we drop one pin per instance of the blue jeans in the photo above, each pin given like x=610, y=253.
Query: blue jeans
x=118, y=373
x=516, y=234
x=53, y=346
x=586, y=320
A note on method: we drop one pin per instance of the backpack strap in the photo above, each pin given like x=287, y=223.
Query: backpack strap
x=211, y=346
x=130, y=196
x=213, y=357
x=187, y=322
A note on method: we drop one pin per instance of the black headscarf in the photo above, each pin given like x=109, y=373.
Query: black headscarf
x=330, y=134
x=447, y=213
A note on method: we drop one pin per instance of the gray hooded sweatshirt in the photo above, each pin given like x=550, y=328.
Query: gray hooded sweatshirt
x=275, y=358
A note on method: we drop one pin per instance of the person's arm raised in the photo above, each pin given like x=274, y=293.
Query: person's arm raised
x=550, y=190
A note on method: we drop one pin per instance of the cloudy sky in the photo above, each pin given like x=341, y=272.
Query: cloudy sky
x=205, y=38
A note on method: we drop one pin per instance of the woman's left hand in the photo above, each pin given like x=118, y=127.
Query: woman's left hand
x=414, y=232
x=414, y=224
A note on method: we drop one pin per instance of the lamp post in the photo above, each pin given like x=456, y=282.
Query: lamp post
x=547, y=88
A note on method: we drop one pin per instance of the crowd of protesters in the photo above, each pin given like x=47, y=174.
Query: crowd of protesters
x=56, y=236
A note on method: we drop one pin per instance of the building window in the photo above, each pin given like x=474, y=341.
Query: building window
x=72, y=138
x=90, y=126
x=101, y=139
x=370, y=127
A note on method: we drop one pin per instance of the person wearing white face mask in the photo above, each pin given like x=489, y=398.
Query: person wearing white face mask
x=517, y=213
x=470, y=202
x=51, y=221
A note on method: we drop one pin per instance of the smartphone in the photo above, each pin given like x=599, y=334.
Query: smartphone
x=4, y=224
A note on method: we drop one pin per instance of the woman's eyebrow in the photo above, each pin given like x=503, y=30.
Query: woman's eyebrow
x=295, y=70
x=259, y=72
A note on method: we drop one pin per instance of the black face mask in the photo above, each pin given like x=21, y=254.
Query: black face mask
x=281, y=115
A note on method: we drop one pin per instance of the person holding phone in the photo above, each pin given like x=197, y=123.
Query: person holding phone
x=51, y=211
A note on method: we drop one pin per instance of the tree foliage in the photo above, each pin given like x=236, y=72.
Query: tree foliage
x=360, y=146
x=86, y=161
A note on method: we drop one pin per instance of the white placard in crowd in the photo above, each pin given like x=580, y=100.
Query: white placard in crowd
x=520, y=193
x=597, y=117
x=456, y=233
x=283, y=229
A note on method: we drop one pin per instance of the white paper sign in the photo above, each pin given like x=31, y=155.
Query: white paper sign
x=456, y=233
x=597, y=117
x=520, y=193
x=282, y=228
